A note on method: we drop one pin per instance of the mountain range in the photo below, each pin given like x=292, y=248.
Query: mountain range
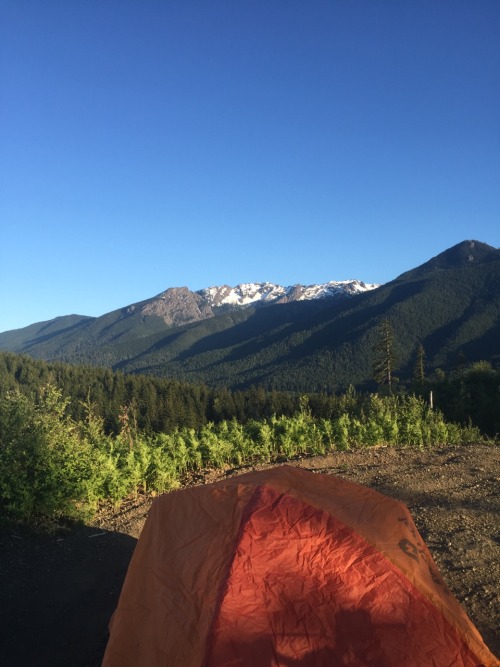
x=304, y=338
x=178, y=305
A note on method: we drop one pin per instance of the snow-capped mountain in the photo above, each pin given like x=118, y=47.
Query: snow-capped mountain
x=175, y=307
x=253, y=293
x=178, y=305
x=236, y=337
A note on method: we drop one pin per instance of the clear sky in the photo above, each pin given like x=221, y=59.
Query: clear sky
x=147, y=144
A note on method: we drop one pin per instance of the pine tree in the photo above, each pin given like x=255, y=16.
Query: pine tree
x=384, y=358
x=419, y=373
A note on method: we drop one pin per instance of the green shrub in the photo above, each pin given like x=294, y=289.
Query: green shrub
x=52, y=466
x=44, y=463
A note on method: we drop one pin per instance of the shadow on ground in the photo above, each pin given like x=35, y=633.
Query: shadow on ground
x=58, y=594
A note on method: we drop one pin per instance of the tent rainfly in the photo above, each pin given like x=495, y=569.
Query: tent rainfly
x=281, y=568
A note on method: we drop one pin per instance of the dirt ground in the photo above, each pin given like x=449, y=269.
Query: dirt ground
x=58, y=591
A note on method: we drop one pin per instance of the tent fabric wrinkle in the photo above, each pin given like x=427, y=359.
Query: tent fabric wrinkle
x=284, y=567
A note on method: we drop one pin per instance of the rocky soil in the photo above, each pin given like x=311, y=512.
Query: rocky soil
x=59, y=590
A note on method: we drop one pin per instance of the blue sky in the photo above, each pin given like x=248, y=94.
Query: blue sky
x=150, y=144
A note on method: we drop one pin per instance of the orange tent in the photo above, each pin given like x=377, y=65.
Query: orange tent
x=281, y=568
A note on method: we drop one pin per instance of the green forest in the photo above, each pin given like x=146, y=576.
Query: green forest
x=468, y=393
x=73, y=437
x=450, y=308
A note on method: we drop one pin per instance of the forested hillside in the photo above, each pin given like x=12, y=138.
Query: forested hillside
x=449, y=306
x=469, y=392
x=153, y=404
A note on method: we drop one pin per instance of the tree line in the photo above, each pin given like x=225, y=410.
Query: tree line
x=53, y=467
x=466, y=393
x=73, y=437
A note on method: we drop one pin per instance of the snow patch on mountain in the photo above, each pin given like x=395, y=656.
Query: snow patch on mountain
x=178, y=305
x=253, y=293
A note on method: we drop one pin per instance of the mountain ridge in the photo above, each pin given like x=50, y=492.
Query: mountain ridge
x=465, y=253
x=450, y=304
x=180, y=305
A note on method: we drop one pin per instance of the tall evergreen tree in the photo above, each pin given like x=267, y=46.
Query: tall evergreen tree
x=419, y=373
x=384, y=357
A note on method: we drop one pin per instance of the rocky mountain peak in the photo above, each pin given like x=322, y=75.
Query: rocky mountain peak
x=179, y=305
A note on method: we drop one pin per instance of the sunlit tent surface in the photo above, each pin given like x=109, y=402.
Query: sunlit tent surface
x=285, y=567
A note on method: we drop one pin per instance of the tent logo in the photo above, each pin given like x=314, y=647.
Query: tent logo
x=409, y=549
